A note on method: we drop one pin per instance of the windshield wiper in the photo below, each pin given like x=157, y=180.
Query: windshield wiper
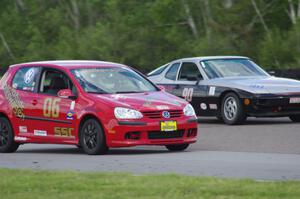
x=120, y=92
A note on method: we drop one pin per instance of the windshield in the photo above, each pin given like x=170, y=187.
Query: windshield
x=231, y=68
x=112, y=80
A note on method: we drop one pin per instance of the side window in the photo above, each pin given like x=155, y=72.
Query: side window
x=189, y=72
x=25, y=79
x=52, y=81
x=172, y=72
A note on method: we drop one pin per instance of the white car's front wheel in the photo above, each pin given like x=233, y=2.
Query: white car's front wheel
x=232, y=109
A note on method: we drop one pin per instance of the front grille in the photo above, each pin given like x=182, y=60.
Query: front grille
x=158, y=114
x=165, y=134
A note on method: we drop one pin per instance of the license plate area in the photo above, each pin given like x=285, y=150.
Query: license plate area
x=168, y=126
x=294, y=100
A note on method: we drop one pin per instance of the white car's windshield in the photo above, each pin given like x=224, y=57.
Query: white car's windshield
x=231, y=68
x=112, y=80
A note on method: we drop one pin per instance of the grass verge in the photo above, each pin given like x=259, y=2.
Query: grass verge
x=50, y=184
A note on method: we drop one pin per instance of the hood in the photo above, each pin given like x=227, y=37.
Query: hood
x=260, y=85
x=159, y=100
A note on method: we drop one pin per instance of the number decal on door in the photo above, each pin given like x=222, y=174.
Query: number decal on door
x=187, y=94
x=51, y=107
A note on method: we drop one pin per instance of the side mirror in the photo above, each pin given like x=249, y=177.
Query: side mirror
x=192, y=77
x=162, y=88
x=66, y=94
x=272, y=73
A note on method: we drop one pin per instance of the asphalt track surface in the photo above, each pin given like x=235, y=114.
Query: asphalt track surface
x=262, y=149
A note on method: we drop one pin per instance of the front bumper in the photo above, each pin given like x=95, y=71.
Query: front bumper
x=149, y=133
x=275, y=106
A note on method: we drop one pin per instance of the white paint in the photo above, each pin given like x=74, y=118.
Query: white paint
x=203, y=106
x=23, y=129
x=162, y=107
x=29, y=76
x=213, y=106
x=212, y=90
x=187, y=94
x=17, y=138
x=40, y=133
x=72, y=106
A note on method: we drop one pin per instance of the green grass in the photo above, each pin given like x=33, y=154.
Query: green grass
x=29, y=184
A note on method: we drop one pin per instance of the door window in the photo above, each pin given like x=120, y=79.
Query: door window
x=172, y=72
x=189, y=71
x=53, y=81
x=25, y=79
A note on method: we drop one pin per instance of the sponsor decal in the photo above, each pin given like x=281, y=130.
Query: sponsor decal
x=70, y=115
x=40, y=133
x=257, y=86
x=162, y=107
x=14, y=101
x=212, y=90
x=63, y=132
x=72, y=106
x=203, y=106
x=23, y=129
x=18, y=138
x=187, y=94
x=213, y=106
x=166, y=114
x=29, y=76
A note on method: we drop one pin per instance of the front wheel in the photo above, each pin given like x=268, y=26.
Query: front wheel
x=295, y=118
x=7, y=143
x=232, y=109
x=177, y=147
x=92, y=138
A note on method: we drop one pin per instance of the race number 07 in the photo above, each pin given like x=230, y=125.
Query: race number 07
x=51, y=107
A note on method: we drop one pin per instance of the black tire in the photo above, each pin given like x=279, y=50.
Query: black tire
x=232, y=110
x=92, y=138
x=7, y=142
x=295, y=118
x=177, y=147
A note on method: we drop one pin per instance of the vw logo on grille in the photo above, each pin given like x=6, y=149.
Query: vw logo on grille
x=166, y=114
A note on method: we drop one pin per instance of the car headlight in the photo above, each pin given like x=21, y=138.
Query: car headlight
x=127, y=113
x=189, y=110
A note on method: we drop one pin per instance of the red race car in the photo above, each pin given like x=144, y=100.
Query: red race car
x=92, y=104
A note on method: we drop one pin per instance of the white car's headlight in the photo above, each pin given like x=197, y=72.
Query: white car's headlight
x=127, y=113
x=189, y=110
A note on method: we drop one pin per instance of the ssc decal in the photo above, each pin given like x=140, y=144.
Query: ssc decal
x=187, y=94
x=63, y=131
x=29, y=76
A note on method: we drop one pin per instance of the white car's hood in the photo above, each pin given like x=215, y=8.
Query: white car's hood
x=259, y=84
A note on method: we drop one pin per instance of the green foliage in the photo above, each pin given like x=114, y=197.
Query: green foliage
x=148, y=33
x=45, y=184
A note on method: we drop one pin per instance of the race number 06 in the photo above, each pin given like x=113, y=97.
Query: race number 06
x=51, y=107
x=187, y=94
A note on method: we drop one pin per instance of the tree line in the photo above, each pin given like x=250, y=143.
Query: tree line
x=148, y=33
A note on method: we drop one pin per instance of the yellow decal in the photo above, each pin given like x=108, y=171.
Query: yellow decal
x=51, y=107
x=63, y=131
x=14, y=101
